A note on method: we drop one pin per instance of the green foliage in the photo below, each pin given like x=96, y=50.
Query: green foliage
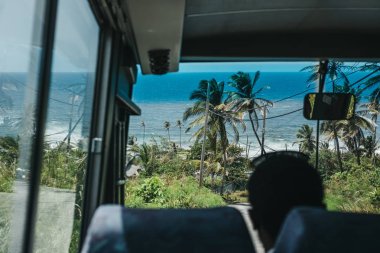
x=238, y=176
x=328, y=163
x=9, y=150
x=75, y=236
x=5, y=224
x=185, y=193
x=7, y=177
x=168, y=192
x=356, y=189
x=150, y=155
x=151, y=190
x=177, y=167
x=306, y=139
x=196, y=150
x=63, y=168
x=237, y=197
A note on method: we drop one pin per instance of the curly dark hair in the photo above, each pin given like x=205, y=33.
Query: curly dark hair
x=281, y=181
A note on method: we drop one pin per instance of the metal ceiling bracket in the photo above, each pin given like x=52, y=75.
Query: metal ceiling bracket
x=157, y=28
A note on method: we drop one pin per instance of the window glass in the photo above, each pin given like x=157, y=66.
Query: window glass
x=20, y=48
x=165, y=142
x=67, y=131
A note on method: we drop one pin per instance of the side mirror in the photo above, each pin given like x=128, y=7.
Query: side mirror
x=329, y=106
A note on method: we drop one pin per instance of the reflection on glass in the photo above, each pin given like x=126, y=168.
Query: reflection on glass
x=19, y=58
x=67, y=130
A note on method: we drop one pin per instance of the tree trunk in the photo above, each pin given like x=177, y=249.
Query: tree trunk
x=337, y=148
x=357, y=151
x=224, y=143
x=180, y=142
x=374, y=147
x=255, y=132
x=223, y=172
x=374, y=143
x=246, y=149
x=263, y=131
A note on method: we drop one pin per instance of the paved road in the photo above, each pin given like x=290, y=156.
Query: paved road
x=54, y=220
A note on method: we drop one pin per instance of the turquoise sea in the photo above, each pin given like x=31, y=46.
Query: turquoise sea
x=165, y=98
x=161, y=98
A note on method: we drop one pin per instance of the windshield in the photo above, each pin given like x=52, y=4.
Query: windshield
x=253, y=108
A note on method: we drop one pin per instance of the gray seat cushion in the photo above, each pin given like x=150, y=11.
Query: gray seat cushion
x=118, y=229
x=316, y=230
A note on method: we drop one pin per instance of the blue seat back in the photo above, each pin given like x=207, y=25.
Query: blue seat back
x=118, y=229
x=316, y=230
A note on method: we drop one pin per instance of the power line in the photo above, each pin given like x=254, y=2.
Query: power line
x=273, y=117
x=281, y=115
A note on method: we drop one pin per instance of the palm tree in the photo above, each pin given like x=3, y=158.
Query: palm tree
x=329, y=129
x=219, y=116
x=167, y=127
x=353, y=132
x=306, y=139
x=353, y=129
x=335, y=73
x=245, y=99
x=373, y=110
x=179, y=125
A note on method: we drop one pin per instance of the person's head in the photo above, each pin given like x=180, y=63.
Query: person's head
x=281, y=181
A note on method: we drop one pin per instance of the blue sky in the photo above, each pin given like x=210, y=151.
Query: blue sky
x=244, y=66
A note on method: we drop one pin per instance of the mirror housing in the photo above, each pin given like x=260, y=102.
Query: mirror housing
x=329, y=106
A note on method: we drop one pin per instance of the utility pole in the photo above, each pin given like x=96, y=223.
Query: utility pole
x=322, y=72
x=263, y=130
x=204, y=137
x=71, y=120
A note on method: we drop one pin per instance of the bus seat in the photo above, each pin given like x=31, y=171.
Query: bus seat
x=118, y=229
x=317, y=230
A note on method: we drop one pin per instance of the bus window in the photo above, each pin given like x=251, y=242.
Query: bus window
x=20, y=53
x=68, y=124
x=262, y=104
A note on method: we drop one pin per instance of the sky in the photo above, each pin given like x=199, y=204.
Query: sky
x=244, y=66
x=75, y=42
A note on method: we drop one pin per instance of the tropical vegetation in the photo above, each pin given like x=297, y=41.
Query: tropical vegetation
x=344, y=167
x=168, y=173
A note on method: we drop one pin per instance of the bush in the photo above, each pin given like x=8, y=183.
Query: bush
x=9, y=151
x=151, y=190
x=63, y=168
x=168, y=192
x=328, y=163
x=7, y=177
x=185, y=193
x=356, y=189
x=177, y=167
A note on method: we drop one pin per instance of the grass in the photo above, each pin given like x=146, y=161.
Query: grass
x=354, y=190
x=168, y=192
x=7, y=177
x=5, y=214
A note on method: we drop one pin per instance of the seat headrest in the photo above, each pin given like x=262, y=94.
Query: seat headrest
x=316, y=230
x=119, y=229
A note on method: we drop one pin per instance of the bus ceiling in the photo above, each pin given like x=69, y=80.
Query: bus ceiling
x=166, y=32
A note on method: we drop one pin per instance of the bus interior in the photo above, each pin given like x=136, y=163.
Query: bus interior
x=107, y=142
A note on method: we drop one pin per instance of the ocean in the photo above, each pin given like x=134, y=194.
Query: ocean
x=161, y=98
x=165, y=98
x=70, y=103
